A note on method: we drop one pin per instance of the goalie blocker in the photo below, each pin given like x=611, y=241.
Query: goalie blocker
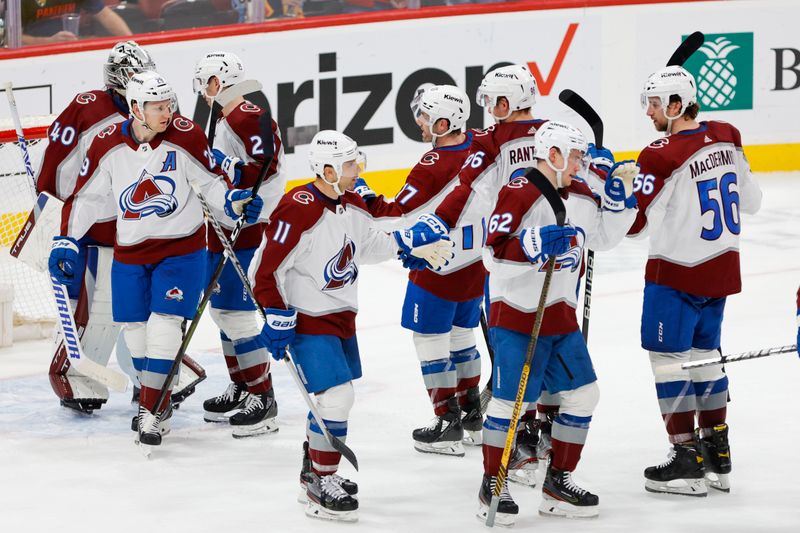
x=97, y=331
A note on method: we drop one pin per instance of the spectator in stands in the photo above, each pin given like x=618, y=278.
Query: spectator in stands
x=42, y=24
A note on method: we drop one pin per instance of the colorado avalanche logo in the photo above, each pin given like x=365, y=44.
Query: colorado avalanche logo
x=341, y=269
x=570, y=259
x=150, y=195
x=174, y=294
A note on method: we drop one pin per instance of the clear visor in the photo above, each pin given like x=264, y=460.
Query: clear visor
x=486, y=99
x=355, y=167
x=199, y=86
x=154, y=106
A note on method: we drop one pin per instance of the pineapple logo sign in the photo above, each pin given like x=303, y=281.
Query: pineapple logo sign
x=723, y=68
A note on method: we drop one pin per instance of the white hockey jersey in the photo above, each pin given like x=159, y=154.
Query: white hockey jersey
x=148, y=189
x=310, y=256
x=515, y=284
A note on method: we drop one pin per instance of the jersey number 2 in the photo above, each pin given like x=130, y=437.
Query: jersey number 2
x=723, y=202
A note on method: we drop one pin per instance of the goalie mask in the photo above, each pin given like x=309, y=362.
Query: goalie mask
x=225, y=66
x=125, y=59
x=334, y=149
x=514, y=82
x=149, y=87
x=443, y=101
x=565, y=138
x=668, y=81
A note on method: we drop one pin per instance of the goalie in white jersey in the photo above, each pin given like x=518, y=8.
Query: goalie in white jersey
x=694, y=185
x=145, y=173
x=239, y=150
x=306, y=276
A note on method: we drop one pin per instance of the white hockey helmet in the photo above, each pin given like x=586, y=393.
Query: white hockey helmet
x=514, y=82
x=334, y=149
x=124, y=60
x=149, y=87
x=667, y=81
x=447, y=102
x=565, y=137
x=418, y=96
x=226, y=66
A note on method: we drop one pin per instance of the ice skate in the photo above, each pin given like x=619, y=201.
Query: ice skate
x=682, y=473
x=443, y=435
x=164, y=426
x=717, y=458
x=328, y=500
x=149, y=432
x=562, y=497
x=507, y=509
x=524, y=460
x=257, y=416
x=218, y=408
x=472, y=421
x=349, y=487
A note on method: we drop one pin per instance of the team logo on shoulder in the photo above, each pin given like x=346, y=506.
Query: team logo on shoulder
x=303, y=197
x=659, y=143
x=150, y=195
x=341, y=269
x=174, y=294
x=429, y=159
x=85, y=98
x=517, y=183
x=183, y=124
x=107, y=131
x=247, y=107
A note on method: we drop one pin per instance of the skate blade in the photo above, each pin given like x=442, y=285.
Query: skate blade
x=500, y=519
x=456, y=449
x=473, y=438
x=217, y=417
x=562, y=509
x=720, y=482
x=524, y=476
x=302, y=496
x=682, y=487
x=262, y=428
x=315, y=511
x=145, y=449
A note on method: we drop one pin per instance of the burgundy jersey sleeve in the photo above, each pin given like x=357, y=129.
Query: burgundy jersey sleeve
x=418, y=189
x=647, y=186
x=514, y=201
x=293, y=216
x=482, y=155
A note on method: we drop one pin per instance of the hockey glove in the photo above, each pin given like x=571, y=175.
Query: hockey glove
x=434, y=249
x=602, y=158
x=241, y=203
x=361, y=188
x=619, y=186
x=278, y=330
x=539, y=243
x=412, y=263
x=231, y=166
x=63, y=261
x=428, y=228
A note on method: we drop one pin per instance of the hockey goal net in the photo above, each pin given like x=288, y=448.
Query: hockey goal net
x=34, y=311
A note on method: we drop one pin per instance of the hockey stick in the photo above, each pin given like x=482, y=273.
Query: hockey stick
x=486, y=393
x=556, y=203
x=574, y=101
x=685, y=50
x=265, y=126
x=722, y=359
x=224, y=98
x=66, y=321
x=214, y=111
x=334, y=441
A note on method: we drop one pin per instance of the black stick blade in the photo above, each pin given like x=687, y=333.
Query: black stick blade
x=343, y=449
x=576, y=102
x=686, y=49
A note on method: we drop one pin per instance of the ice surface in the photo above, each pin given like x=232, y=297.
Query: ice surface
x=68, y=473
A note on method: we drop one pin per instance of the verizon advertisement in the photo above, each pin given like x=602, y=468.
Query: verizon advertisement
x=360, y=79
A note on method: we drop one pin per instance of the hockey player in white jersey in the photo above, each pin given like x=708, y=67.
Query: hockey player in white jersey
x=146, y=173
x=442, y=308
x=522, y=237
x=694, y=185
x=238, y=149
x=306, y=277
x=69, y=138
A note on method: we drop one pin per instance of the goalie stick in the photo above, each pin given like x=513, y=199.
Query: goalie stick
x=574, y=101
x=66, y=321
x=556, y=203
